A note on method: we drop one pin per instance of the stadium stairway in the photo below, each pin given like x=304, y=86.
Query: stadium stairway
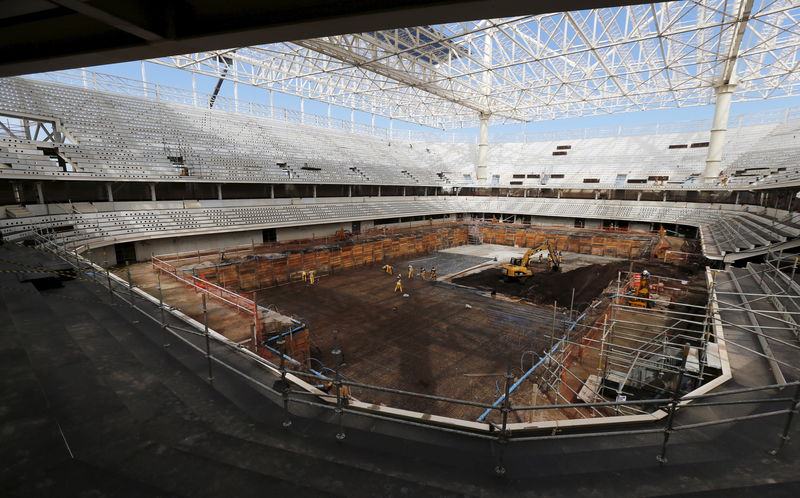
x=94, y=404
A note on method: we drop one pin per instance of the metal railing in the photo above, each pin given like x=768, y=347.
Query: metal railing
x=299, y=388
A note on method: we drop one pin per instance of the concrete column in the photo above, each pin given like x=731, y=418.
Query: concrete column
x=379, y=190
x=219, y=191
x=109, y=192
x=639, y=195
x=315, y=191
x=737, y=198
x=144, y=79
x=17, y=192
x=719, y=128
x=194, y=89
x=596, y=194
x=349, y=191
x=558, y=194
x=153, y=192
x=404, y=191
x=664, y=196
x=39, y=193
x=272, y=191
x=483, y=148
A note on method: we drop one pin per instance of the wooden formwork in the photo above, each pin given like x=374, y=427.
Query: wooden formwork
x=275, y=269
x=596, y=243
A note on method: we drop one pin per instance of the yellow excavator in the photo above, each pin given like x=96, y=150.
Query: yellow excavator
x=640, y=297
x=519, y=268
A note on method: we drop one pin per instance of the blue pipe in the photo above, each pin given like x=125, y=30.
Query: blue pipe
x=292, y=331
x=292, y=360
x=525, y=376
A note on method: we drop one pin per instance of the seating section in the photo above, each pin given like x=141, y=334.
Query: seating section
x=125, y=137
x=773, y=160
x=729, y=232
x=610, y=162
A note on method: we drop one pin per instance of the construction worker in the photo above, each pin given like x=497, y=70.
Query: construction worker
x=388, y=269
x=410, y=271
x=540, y=258
x=311, y=277
x=423, y=273
x=433, y=273
x=304, y=275
x=398, y=286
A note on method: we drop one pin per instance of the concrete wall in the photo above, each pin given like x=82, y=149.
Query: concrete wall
x=146, y=248
x=636, y=226
x=103, y=256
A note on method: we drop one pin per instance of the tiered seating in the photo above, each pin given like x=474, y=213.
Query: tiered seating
x=609, y=162
x=730, y=232
x=124, y=137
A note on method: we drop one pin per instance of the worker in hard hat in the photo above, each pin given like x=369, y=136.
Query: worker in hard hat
x=410, y=271
x=433, y=273
x=304, y=275
x=387, y=269
x=311, y=277
x=423, y=273
x=398, y=286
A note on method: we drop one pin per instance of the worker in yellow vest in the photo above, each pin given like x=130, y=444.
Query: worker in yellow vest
x=398, y=286
x=423, y=273
x=311, y=277
x=433, y=273
x=410, y=271
x=388, y=269
x=304, y=275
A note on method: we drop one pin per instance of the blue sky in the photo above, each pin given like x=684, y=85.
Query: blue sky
x=205, y=84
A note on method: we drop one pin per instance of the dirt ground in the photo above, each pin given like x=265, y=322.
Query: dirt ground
x=430, y=342
x=546, y=286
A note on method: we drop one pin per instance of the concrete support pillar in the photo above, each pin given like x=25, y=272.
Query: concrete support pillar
x=404, y=191
x=194, y=89
x=39, y=193
x=524, y=192
x=15, y=186
x=379, y=190
x=596, y=194
x=664, y=196
x=719, y=128
x=349, y=191
x=153, y=192
x=219, y=191
x=558, y=194
x=144, y=79
x=272, y=191
x=483, y=148
x=737, y=198
x=639, y=195
x=109, y=193
x=315, y=191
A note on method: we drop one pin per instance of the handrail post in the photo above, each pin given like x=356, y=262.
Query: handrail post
x=337, y=382
x=668, y=429
x=784, y=437
x=285, y=385
x=130, y=288
x=502, y=437
x=208, y=341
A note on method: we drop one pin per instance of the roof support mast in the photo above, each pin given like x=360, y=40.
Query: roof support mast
x=481, y=168
x=724, y=91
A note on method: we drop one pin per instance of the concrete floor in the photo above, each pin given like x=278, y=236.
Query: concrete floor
x=503, y=254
